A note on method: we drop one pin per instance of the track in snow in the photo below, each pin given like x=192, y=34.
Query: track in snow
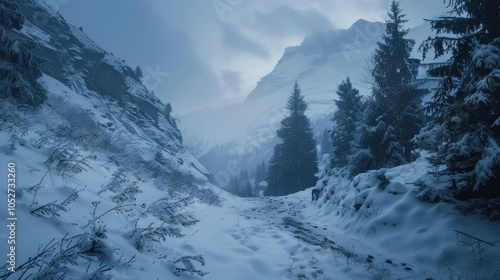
x=285, y=214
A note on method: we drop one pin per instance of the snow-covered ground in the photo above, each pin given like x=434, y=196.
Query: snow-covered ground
x=392, y=235
x=397, y=237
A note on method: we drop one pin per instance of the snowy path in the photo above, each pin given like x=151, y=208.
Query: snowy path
x=351, y=252
x=275, y=238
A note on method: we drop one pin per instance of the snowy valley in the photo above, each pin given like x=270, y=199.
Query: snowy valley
x=100, y=183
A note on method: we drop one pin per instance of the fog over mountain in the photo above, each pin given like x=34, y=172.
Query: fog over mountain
x=212, y=53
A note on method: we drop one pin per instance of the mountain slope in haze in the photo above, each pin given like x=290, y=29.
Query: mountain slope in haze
x=243, y=134
x=318, y=65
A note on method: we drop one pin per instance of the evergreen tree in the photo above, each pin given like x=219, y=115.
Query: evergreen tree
x=294, y=163
x=19, y=68
x=138, y=72
x=345, y=121
x=465, y=129
x=233, y=186
x=168, y=115
x=392, y=116
x=393, y=65
x=244, y=184
x=325, y=144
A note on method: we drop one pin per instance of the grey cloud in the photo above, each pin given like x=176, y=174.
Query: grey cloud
x=284, y=20
x=239, y=41
x=232, y=80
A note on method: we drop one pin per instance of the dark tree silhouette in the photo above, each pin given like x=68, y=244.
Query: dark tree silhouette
x=392, y=116
x=293, y=165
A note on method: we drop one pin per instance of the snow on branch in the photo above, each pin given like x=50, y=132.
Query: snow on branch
x=189, y=266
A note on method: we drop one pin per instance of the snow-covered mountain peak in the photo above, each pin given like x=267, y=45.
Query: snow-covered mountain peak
x=321, y=54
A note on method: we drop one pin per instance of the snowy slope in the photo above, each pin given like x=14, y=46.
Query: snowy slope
x=99, y=175
x=80, y=72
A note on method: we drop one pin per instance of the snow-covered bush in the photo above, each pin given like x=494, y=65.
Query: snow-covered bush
x=489, y=208
x=188, y=265
x=50, y=209
x=68, y=159
x=117, y=182
x=141, y=236
x=170, y=210
x=87, y=253
x=129, y=193
x=124, y=189
x=430, y=194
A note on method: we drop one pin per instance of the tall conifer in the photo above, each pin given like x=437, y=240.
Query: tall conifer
x=293, y=165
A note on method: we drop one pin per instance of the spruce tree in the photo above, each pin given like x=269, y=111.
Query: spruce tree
x=244, y=184
x=293, y=165
x=345, y=121
x=392, y=115
x=326, y=143
x=233, y=186
x=138, y=72
x=19, y=68
x=465, y=129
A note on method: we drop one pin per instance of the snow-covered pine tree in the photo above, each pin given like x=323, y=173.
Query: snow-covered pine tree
x=19, y=68
x=170, y=118
x=345, y=121
x=465, y=130
x=392, y=116
x=293, y=165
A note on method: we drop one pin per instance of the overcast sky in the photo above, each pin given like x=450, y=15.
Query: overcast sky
x=215, y=51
